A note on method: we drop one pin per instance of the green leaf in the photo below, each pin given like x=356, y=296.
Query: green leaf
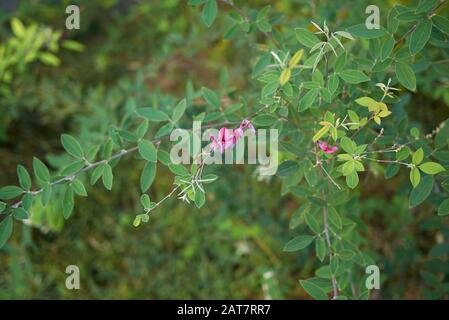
x=441, y=23
x=107, y=177
x=443, y=209
x=46, y=194
x=20, y=213
x=18, y=29
x=263, y=26
x=147, y=176
x=346, y=255
x=41, y=171
x=352, y=180
x=233, y=108
x=320, y=248
x=49, y=59
x=211, y=97
x=334, y=217
x=334, y=265
x=2, y=206
x=261, y=64
x=10, y=192
x=402, y=154
x=405, y=75
x=145, y=201
x=142, y=129
x=415, y=177
x=418, y=156
x=164, y=157
x=200, y=198
x=420, y=36
x=27, y=201
x=179, y=170
x=298, y=243
x=360, y=30
x=24, y=177
x=147, y=150
x=320, y=133
x=137, y=221
x=78, y=188
x=97, y=173
x=68, y=203
x=209, y=13
x=127, y=135
x=306, y=38
x=5, y=230
x=72, y=45
x=353, y=76
x=313, y=290
x=442, y=137
x=421, y=191
x=347, y=145
x=264, y=120
x=72, y=146
x=152, y=114
x=312, y=223
x=73, y=168
x=426, y=5
x=387, y=48
x=164, y=130
x=287, y=168
x=307, y=100
x=285, y=76
x=179, y=110
x=431, y=168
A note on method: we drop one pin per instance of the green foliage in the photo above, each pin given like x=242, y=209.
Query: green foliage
x=336, y=92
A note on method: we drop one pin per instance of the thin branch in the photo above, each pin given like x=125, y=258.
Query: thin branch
x=326, y=230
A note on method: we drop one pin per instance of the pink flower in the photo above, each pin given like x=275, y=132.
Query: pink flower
x=325, y=147
x=246, y=124
x=227, y=138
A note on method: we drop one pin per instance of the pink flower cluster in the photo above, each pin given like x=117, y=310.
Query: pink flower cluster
x=326, y=148
x=227, y=138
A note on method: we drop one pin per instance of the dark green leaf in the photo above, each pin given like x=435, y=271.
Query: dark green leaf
x=68, y=203
x=353, y=76
x=152, y=114
x=306, y=38
x=41, y=171
x=312, y=289
x=420, y=36
x=10, y=192
x=107, y=177
x=147, y=176
x=179, y=170
x=78, y=188
x=405, y=75
x=5, y=230
x=421, y=192
x=209, y=13
x=20, y=213
x=24, y=177
x=147, y=150
x=298, y=243
x=211, y=97
x=72, y=146
x=179, y=110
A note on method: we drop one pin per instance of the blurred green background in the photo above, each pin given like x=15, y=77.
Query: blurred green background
x=232, y=247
